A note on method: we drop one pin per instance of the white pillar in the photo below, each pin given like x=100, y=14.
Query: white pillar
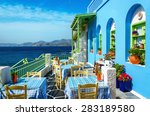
x=47, y=59
x=109, y=76
x=5, y=75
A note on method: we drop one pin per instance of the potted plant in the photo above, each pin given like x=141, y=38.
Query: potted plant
x=141, y=46
x=134, y=33
x=135, y=54
x=119, y=70
x=107, y=57
x=99, y=75
x=125, y=82
x=14, y=77
x=75, y=36
x=99, y=51
x=113, y=37
x=112, y=52
x=84, y=26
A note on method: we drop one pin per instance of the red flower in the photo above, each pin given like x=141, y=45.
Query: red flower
x=124, y=77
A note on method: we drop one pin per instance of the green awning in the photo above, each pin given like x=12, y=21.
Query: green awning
x=85, y=18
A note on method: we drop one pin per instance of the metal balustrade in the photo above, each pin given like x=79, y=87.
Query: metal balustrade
x=61, y=56
x=34, y=65
x=23, y=66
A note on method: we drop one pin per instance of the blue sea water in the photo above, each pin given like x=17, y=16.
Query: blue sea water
x=11, y=55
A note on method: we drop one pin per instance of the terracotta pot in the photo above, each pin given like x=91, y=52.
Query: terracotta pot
x=99, y=52
x=111, y=53
x=141, y=46
x=134, y=59
x=101, y=59
x=14, y=77
x=99, y=76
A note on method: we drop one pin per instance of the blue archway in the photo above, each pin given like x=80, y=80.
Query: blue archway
x=108, y=29
x=129, y=18
x=98, y=29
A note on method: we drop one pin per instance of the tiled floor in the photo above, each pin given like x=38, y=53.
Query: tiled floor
x=125, y=95
x=54, y=93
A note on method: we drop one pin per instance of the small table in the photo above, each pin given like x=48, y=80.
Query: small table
x=71, y=88
x=64, y=61
x=36, y=87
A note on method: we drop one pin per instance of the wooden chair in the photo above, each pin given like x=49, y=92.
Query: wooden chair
x=58, y=76
x=81, y=73
x=56, y=61
x=70, y=60
x=63, y=63
x=88, y=91
x=82, y=64
x=30, y=74
x=74, y=68
x=10, y=95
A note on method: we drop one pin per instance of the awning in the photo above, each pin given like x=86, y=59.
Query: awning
x=84, y=18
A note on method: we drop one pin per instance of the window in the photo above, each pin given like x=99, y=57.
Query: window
x=137, y=28
x=111, y=31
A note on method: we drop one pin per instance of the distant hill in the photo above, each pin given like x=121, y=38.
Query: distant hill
x=62, y=42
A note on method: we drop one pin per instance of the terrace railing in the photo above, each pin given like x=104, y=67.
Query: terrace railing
x=23, y=66
x=61, y=56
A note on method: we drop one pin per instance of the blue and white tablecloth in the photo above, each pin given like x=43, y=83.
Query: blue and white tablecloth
x=36, y=87
x=71, y=88
x=64, y=60
x=66, y=70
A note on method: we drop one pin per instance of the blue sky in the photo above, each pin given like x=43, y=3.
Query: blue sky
x=35, y=20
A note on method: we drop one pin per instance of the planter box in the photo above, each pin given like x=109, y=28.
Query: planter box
x=126, y=86
x=117, y=83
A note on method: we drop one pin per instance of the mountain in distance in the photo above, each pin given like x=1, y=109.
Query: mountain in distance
x=62, y=42
x=8, y=44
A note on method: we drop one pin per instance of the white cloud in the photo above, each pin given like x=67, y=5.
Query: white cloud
x=28, y=13
x=30, y=32
x=33, y=24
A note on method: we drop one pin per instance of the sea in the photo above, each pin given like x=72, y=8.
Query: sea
x=11, y=55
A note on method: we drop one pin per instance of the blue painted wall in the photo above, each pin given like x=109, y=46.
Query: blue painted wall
x=119, y=11
x=92, y=37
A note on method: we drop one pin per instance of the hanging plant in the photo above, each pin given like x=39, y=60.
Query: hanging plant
x=75, y=36
x=99, y=51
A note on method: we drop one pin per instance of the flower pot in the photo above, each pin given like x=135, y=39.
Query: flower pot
x=125, y=86
x=141, y=46
x=117, y=83
x=99, y=52
x=99, y=76
x=111, y=53
x=14, y=77
x=122, y=86
x=134, y=59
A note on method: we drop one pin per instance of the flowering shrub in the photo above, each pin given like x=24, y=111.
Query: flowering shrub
x=119, y=69
x=124, y=77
